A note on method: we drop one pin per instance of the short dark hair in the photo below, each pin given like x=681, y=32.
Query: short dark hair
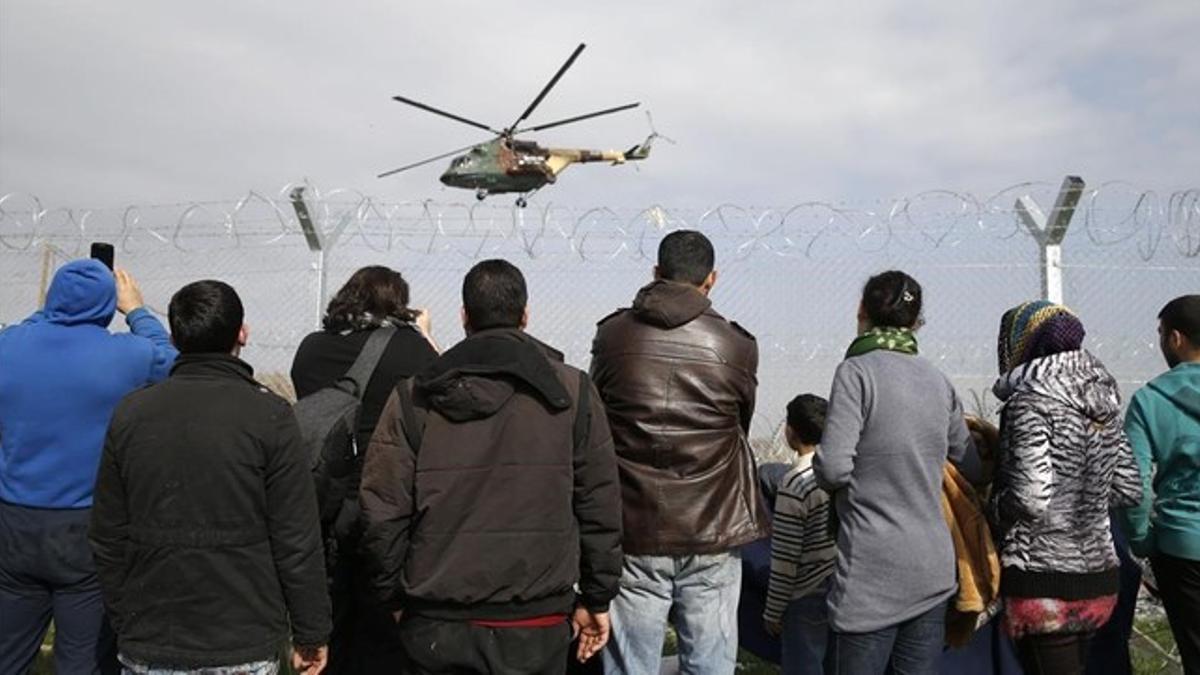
x=806, y=417
x=205, y=316
x=1183, y=314
x=686, y=256
x=892, y=300
x=379, y=291
x=494, y=295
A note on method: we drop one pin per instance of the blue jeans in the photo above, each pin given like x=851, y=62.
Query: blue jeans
x=698, y=594
x=805, y=632
x=912, y=647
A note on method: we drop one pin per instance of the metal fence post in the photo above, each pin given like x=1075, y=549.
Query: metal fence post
x=1049, y=231
x=312, y=235
x=320, y=241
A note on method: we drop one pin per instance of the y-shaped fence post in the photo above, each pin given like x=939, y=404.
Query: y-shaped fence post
x=320, y=241
x=313, y=235
x=1049, y=231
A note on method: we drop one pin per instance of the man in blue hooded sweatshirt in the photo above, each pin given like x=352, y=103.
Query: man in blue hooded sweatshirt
x=61, y=375
x=1163, y=425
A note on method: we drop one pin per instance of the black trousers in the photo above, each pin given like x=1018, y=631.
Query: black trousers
x=46, y=572
x=1054, y=653
x=434, y=646
x=364, y=640
x=1179, y=583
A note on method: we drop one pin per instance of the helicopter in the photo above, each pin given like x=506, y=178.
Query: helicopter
x=506, y=164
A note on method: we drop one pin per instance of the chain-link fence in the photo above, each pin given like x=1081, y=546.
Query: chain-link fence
x=791, y=275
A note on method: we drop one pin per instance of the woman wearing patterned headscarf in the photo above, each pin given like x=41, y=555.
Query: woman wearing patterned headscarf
x=1064, y=460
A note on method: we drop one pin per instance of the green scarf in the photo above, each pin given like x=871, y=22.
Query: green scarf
x=892, y=339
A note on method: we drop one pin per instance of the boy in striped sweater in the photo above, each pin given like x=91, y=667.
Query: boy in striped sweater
x=803, y=548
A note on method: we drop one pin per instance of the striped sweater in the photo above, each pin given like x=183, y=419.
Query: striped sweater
x=803, y=550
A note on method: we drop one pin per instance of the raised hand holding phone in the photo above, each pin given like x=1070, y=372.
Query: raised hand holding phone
x=129, y=296
x=104, y=252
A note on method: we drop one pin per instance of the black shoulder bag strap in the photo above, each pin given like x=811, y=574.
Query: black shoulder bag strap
x=413, y=416
x=368, y=359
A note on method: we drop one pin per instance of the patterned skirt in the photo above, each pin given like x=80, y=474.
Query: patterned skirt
x=1038, y=616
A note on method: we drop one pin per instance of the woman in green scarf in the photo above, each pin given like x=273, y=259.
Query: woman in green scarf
x=893, y=421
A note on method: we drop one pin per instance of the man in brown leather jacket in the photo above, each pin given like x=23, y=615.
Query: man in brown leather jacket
x=678, y=383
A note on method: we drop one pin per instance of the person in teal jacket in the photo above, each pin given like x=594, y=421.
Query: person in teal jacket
x=1163, y=425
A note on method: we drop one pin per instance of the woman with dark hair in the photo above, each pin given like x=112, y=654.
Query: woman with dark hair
x=374, y=297
x=893, y=422
x=1064, y=461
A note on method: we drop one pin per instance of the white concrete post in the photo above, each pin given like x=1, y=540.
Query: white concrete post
x=1049, y=232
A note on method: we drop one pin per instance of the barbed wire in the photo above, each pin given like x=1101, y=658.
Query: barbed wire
x=973, y=254
x=1111, y=214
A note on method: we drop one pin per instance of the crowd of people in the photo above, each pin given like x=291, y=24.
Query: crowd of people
x=489, y=508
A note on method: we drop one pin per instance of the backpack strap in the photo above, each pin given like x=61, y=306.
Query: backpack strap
x=368, y=359
x=412, y=417
x=583, y=412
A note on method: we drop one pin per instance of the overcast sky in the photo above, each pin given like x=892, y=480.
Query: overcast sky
x=108, y=103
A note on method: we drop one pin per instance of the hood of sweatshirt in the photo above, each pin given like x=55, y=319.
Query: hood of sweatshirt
x=1077, y=379
x=477, y=377
x=1181, y=386
x=82, y=292
x=669, y=304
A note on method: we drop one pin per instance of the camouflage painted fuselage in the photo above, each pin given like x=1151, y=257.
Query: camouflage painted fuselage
x=506, y=165
x=500, y=166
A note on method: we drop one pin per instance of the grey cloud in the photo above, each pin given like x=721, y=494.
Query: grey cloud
x=770, y=102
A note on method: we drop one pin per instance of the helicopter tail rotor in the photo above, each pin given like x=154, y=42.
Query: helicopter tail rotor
x=654, y=132
x=642, y=150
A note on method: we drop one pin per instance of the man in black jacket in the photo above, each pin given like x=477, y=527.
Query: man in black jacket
x=204, y=525
x=489, y=491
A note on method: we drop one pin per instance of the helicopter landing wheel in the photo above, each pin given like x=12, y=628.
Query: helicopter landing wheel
x=481, y=195
x=521, y=203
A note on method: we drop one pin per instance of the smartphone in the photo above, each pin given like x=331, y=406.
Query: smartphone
x=103, y=252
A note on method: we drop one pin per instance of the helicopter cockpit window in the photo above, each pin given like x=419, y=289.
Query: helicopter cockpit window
x=463, y=162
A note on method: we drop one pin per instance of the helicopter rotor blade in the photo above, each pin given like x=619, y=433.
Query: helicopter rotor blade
x=423, y=162
x=578, y=118
x=443, y=113
x=546, y=90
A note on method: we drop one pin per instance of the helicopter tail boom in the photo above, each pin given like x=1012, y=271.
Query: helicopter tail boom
x=559, y=159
